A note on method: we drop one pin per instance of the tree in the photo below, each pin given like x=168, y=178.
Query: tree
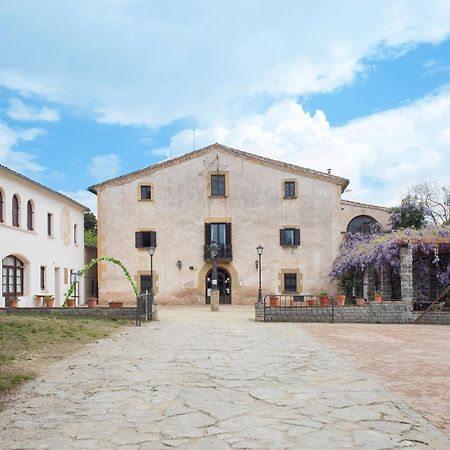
x=435, y=199
x=410, y=214
x=90, y=222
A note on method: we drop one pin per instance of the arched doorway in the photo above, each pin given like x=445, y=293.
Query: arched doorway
x=223, y=284
x=361, y=224
x=12, y=277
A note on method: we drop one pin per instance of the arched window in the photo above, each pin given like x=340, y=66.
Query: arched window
x=12, y=277
x=15, y=211
x=361, y=224
x=1, y=206
x=30, y=212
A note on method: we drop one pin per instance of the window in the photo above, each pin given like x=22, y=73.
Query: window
x=30, y=213
x=289, y=189
x=75, y=232
x=12, y=276
x=42, y=278
x=146, y=283
x=220, y=233
x=49, y=224
x=15, y=211
x=1, y=207
x=361, y=224
x=218, y=185
x=145, y=239
x=146, y=192
x=290, y=282
x=290, y=237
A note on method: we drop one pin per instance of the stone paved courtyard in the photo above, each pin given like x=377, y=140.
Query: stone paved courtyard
x=203, y=380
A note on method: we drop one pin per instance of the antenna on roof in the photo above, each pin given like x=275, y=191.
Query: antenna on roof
x=329, y=171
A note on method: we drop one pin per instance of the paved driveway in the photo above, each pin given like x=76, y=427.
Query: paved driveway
x=203, y=380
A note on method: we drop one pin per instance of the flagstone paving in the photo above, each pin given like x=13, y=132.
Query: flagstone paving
x=203, y=380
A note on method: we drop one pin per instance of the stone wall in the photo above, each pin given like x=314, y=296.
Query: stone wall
x=433, y=318
x=387, y=312
x=97, y=313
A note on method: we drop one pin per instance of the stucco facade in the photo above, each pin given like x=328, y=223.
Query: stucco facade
x=41, y=240
x=182, y=207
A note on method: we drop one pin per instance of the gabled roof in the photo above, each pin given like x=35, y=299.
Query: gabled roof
x=343, y=182
x=365, y=205
x=45, y=188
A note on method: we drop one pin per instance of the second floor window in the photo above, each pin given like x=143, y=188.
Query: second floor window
x=290, y=237
x=217, y=184
x=30, y=213
x=146, y=192
x=145, y=239
x=289, y=189
x=50, y=224
x=15, y=211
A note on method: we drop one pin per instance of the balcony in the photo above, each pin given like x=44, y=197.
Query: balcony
x=225, y=253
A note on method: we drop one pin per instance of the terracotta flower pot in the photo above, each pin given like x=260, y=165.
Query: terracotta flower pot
x=377, y=298
x=360, y=301
x=49, y=302
x=70, y=303
x=13, y=303
x=112, y=304
x=274, y=301
x=324, y=300
x=91, y=302
x=310, y=301
x=340, y=299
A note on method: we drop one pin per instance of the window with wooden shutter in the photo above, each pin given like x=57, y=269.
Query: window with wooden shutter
x=145, y=239
x=290, y=282
x=30, y=216
x=15, y=211
x=42, y=277
x=289, y=189
x=49, y=224
x=290, y=237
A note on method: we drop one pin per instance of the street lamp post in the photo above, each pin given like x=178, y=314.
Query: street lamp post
x=259, y=250
x=151, y=252
x=214, y=251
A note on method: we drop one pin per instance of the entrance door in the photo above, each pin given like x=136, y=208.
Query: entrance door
x=223, y=284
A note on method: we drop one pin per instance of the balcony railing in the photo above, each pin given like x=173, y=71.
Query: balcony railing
x=225, y=253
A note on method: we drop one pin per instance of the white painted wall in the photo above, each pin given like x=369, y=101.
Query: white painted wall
x=57, y=253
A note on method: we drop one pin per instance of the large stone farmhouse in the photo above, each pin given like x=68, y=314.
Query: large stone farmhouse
x=239, y=200
x=41, y=241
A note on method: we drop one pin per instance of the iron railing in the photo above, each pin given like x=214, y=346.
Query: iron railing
x=225, y=253
x=144, y=308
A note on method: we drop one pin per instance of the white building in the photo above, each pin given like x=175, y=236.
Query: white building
x=41, y=240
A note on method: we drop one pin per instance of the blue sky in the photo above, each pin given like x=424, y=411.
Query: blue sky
x=92, y=91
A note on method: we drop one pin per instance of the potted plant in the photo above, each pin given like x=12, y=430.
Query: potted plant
x=360, y=301
x=274, y=300
x=12, y=302
x=340, y=298
x=115, y=304
x=311, y=300
x=49, y=301
x=91, y=302
x=323, y=298
x=377, y=296
x=70, y=302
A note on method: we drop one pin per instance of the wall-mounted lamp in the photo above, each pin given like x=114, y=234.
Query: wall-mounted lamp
x=179, y=264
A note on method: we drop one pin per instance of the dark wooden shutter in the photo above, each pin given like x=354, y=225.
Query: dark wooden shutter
x=207, y=233
x=297, y=236
x=153, y=239
x=282, y=237
x=228, y=233
x=139, y=239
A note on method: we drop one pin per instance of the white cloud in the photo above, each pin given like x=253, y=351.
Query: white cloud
x=18, y=110
x=381, y=154
x=141, y=63
x=103, y=167
x=15, y=159
x=84, y=197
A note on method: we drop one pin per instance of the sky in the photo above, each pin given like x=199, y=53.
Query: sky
x=93, y=90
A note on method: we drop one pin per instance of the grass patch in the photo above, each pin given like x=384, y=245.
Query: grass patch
x=29, y=343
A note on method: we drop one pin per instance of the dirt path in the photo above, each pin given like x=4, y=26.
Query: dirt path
x=203, y=380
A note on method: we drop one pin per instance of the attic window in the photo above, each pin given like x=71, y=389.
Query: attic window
x=218, y=185
x=146, y=192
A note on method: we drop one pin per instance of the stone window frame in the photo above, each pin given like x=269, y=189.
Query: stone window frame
x=299, y=286
x=289, y=180
x=145, y=230
x=152, y=192
x=227, y=183
x=137, y=280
